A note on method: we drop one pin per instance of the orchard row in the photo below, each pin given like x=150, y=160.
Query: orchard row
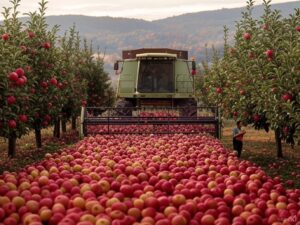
x=257, y=80
x=44, y=77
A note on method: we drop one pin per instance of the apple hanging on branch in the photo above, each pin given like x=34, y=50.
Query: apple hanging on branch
x=219, y=90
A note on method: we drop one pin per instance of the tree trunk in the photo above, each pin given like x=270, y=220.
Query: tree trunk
x=278, y=143
x=38, y=135
x=56, y=130
x=63, y=125
x=12, y=145
x=74, y=122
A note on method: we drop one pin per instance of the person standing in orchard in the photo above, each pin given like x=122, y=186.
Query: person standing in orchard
x=238, y=135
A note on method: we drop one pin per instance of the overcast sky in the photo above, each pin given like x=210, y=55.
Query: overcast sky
x=142, y=9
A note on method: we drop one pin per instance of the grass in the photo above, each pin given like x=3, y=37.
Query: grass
x=259, y=147
x=27, y=153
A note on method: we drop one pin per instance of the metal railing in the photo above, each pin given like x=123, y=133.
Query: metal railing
x=148, y=120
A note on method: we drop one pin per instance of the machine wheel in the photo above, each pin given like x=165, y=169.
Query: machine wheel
x=124, y=108
x=188, y=108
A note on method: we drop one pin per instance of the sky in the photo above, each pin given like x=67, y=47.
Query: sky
x=140, y=9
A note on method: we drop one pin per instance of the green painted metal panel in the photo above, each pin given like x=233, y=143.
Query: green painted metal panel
x=127, y=80
x=184, y=81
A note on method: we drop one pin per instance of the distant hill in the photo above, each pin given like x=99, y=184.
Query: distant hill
x=188, y=31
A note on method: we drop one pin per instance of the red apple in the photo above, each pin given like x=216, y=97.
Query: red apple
x=163, y=222
x=23, y=118
x=119, y=206
x=2, y=214
x=33, y=206
x=79, y=202
x=207, y=220
x=269, y=53
x=247, y=36
x=237, y=210
x=103, y=221
x=178, y=199
x=21, y=81
x=235, y=113
x=11, y=100
x=251, y=55
x=84, y=103
x=47, y=117
x=31, y=34
x=265, y=26
x=20, y=72
x=149, y=212
x=48, y=202
x=44, y=84
x=242, y=92
x=179, y=220
x=5, y=37
x=13, y=76
x=59, y=85
x=287, y=97
x=134, y=212
x=254, y=220
x=97, y=209
x=9, y=208
x=46, y=45
x=12, y=124
x=126, y=190
x=53, y=81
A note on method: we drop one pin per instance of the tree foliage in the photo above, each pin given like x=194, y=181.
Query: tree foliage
x=257, y=79
x=44, y=77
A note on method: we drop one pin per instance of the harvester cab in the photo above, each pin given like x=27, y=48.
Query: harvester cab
x=156, y=94
x=156, y=77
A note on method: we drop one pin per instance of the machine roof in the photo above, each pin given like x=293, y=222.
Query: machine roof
x=132, y=54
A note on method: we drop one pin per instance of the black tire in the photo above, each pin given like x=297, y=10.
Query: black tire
x=124, y=108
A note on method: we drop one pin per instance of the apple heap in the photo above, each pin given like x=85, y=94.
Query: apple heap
x=149, y=128
x=155, y=180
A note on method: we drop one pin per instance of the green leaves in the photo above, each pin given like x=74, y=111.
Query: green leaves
x=36, y=48
x=264, y=61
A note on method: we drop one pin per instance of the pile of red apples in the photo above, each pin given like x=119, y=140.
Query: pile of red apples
x=146, y=180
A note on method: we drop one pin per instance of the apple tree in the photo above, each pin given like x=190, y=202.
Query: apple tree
x=14, y=79
x=257, y=80
x=73, y=63
x=46, y=90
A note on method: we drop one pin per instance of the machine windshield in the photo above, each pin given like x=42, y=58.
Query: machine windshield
x=156, y=76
